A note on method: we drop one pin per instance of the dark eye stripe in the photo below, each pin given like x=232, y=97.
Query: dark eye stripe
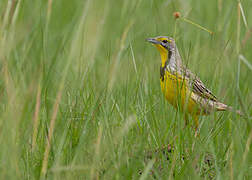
x=164, y=41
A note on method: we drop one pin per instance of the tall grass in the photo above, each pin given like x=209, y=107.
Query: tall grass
x=80, y=95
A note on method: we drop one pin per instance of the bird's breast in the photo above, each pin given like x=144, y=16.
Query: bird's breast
x=176, y=91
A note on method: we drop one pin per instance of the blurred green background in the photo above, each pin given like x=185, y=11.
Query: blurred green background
x=80, y=95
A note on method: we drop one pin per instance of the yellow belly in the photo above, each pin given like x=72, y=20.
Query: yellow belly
x=178, y=94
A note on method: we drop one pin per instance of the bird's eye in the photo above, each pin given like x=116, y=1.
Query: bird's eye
x=164, y=41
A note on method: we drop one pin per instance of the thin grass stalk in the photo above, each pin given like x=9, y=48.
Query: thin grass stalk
x=50, y=134
x=173, y=165
x=49, y=11
x=36, y=118
x=231, y=161
x=247, y=148
x=7, y=14
x=243, y=16
x=93, y=171
x=238, y=28
x=118, y=56
x=15, y=14
x=147, y=169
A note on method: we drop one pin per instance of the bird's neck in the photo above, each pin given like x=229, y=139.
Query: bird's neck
x=172, y=60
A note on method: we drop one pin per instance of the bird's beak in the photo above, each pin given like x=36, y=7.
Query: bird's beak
x=152, y=40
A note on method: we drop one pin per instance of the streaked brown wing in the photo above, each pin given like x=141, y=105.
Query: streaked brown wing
x=197, y=85
x=199, y=88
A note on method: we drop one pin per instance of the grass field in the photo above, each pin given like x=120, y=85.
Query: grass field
x=80, y=95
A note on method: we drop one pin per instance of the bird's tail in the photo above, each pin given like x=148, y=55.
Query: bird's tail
x=224, y=107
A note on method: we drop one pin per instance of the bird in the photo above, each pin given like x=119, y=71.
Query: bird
x=182, y=88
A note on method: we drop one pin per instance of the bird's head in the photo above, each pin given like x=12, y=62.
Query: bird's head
x=165, y=46
x=163, y=43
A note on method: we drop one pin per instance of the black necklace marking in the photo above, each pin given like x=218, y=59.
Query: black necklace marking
x=169, y=53
x=162, y=70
